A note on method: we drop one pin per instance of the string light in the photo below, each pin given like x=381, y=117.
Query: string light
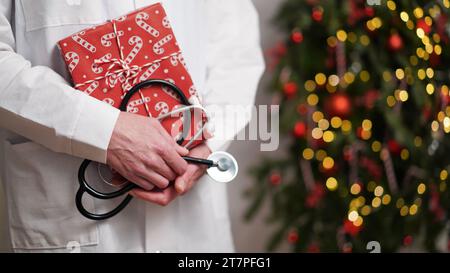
x=404, y=211
x=336, y=122
x=404, y=154
x=320, y=155
x=353, y=215
x=332, y=183
x=421, y=188
x=376, y=202
x=316, y=133
x=418, y=141
x=391, y=5
x=312, y=99
x=430, y=89
x=366, y=210
x=328, y=163
x=378, y=191
x=346, y=126
x=341, y=35
x=413, y=209
x=328, y=136
x=418, y=12
x=376, y=146
x=320, y=78
x=308, y=154
x=310, y=85
x=323, y=124
x=386, y=199
x=317, y=116
x=443, y=175
x=355, y=189
x=349, y=77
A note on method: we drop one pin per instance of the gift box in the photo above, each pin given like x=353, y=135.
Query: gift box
x=107, y=60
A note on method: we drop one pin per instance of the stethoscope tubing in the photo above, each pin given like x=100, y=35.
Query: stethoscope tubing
x=86, y=188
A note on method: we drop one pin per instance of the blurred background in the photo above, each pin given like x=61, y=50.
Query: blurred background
x=364, y=112
x=363, y=162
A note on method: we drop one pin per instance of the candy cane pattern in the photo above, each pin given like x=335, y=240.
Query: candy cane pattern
x=109, y=101
x=105, y=40
x=147, y=74
x=193, y=91
x=121, y=19
x=140, y=21
x=95, y=68
x=132, y=106
x=74, y=60
x=157, y=48
x=162, y=108
x=91, y=88
x=174, y=60
x=138, y=44
x=166, y=22
x=169, y=91
x=90, y=47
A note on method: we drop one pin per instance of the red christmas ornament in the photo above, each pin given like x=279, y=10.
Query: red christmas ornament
x=290, y=89
x=338, y=105
x=347, y=154
x=370, y=98
x=297, y=37
x=275, y=179
x=292, y=237
x=408, y=240
x=359, y=132
x=313, y=248
x=315, y=196
x=369, y=11
x=394, y=147
x=300, y=129
x=347, y=248
x=351, y=229
x=424, y=26
x=317, y=14
x=395, y=42
x=435, y=60
x=302, y=109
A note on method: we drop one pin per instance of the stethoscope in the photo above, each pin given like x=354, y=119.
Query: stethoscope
x=222, y=167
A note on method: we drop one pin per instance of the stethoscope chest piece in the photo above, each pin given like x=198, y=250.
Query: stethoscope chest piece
x=226, y=169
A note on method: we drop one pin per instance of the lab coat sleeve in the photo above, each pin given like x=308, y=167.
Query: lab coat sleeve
x=235, y=64
x=37, y=103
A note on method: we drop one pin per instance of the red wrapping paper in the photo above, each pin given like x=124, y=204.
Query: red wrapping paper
x=105, y=61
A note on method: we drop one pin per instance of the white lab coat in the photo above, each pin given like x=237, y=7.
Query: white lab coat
x=46, y=127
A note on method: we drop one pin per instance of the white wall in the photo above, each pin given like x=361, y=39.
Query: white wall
x=252, y=237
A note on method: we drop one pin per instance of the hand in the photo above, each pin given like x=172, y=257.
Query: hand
x=182, y=184
x=144, y=153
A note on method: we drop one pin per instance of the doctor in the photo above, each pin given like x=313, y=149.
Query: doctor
x=46, y=128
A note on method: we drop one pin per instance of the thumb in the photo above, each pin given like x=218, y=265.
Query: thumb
x=182, y=182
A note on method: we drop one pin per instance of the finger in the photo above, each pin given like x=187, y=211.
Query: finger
x=160, y=166
x=184, y=183
x=141, y=182
x=162, y=198
x=180, y=149
x=175, y=161
x=153, y=177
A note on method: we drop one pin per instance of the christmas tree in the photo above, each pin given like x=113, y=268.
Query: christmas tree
x=363, y=88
